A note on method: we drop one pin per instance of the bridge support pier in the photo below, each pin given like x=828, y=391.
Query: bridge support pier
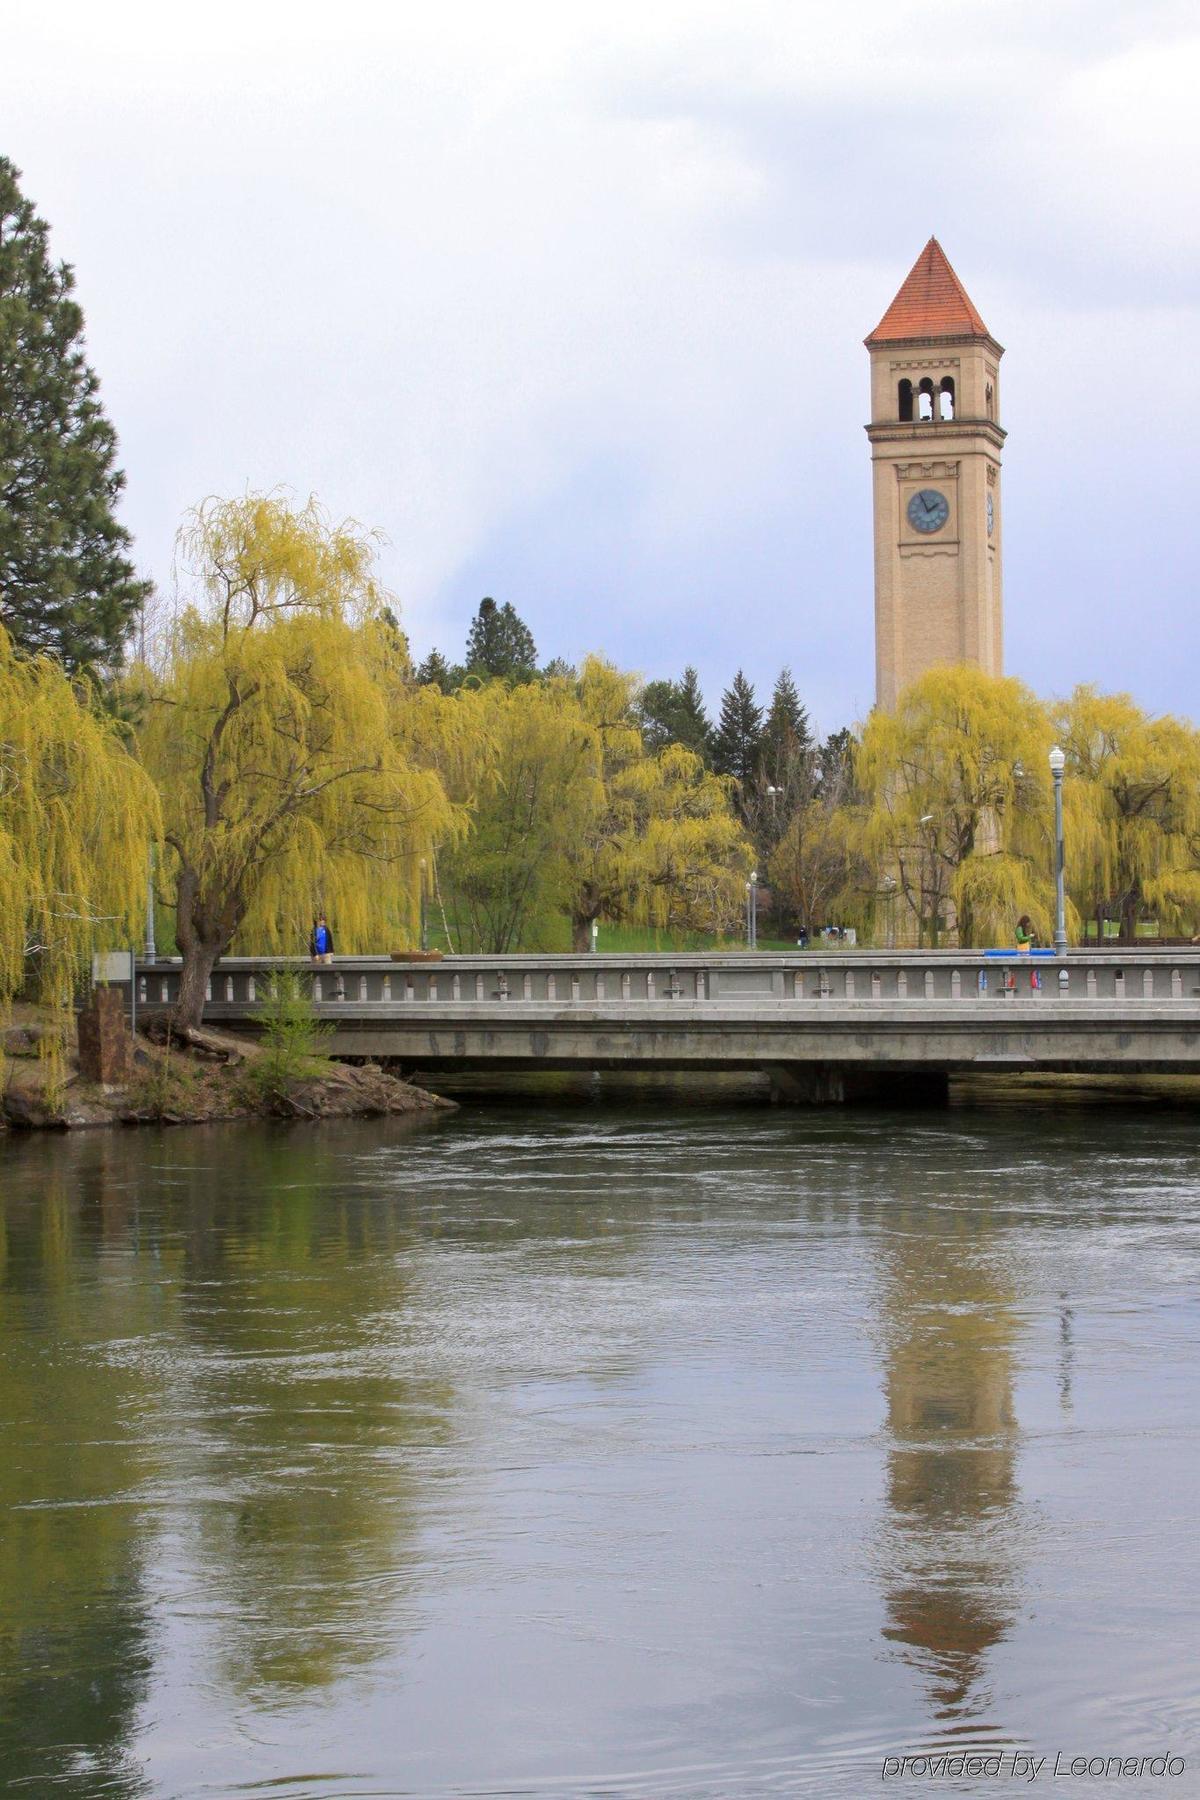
x=842, y=1084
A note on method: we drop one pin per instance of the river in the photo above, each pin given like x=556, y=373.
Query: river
x=556, y=1449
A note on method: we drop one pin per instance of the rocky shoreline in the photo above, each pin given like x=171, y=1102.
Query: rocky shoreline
x=177, y=1084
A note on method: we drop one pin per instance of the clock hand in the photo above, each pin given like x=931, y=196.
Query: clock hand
x=930, y=506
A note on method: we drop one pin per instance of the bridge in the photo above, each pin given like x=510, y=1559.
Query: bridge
x=824, y=1026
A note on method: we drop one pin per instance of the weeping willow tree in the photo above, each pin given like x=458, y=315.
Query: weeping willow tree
x=1132, y=796
x=958, y=809
x=656, y=841
x=281, y=729
x=531, y=777
x=77, y=818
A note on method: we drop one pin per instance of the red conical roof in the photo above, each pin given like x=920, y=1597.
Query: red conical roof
x=932, y=303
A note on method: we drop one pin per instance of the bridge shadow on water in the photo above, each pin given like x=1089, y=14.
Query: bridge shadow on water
x=670, y=1089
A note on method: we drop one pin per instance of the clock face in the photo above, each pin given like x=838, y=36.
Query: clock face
x=991, y=515
x=928, y=510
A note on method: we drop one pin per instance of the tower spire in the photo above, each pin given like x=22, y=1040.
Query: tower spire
x=932, y=303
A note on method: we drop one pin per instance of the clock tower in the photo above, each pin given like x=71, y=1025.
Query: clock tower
x=935, y=460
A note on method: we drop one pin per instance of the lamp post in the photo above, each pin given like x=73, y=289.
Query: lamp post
x=424, y=919
x=151, y=951
x=1058, y=763
x=752, y=911
x=889, y=892
x=928, y=872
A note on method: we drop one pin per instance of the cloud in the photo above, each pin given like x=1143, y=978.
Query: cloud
x=571, y=304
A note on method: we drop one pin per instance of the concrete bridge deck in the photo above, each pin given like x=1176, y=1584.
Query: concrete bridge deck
x=819, y=1023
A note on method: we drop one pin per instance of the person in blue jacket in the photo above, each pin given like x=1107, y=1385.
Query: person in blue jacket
x=320, y=944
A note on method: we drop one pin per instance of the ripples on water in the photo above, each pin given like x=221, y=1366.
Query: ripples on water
x=647, y=1450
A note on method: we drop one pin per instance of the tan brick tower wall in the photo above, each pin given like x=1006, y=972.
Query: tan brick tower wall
x=938, y=595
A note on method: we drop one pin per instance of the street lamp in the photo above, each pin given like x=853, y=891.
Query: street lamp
x=889, y=893
x=928, y=871
x=424, y=917
x=752, y=911
x=1058, y=763
x=151, y=951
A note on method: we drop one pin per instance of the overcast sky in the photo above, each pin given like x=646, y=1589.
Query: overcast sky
x=569, y=301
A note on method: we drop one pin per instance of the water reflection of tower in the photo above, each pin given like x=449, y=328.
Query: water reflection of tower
x=950, y=1554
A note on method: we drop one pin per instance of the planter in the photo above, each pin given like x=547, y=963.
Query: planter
x=411, y=956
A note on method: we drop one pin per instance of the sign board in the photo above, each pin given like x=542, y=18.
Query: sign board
x=112, y=965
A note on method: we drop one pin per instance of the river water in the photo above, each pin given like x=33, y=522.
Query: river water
x=649, y=1450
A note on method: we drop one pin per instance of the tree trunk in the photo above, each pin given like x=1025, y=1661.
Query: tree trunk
x=1129, y=913
x=198, y=961
x=581, y=931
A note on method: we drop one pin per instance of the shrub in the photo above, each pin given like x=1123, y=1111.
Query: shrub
x=291, y=1041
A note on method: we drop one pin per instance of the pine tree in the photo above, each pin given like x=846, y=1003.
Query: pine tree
x=737, y=739
x=500, y=643
x=672, y=712
x=835, y=767
x=786, y=736
x=66, y=585
x=435, y=671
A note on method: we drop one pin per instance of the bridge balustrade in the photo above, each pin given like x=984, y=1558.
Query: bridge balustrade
x=242, y=983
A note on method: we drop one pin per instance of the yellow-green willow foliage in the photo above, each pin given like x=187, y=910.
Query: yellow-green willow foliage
x=1132, y=801
x=658, y=844
x=77, y=818
x=531, y=778
x=287, y=743
x=572, y=819
x=958, y=808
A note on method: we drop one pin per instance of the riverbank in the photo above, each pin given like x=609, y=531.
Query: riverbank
x=221, y=1077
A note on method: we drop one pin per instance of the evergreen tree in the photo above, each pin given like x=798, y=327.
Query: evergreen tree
x=435, y=671
x=672, y=712
x=835, y=768
x=737, y=739
x=500, y=643
x=66, y=584
x=786, y=736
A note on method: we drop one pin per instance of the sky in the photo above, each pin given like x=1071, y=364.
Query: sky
x=568, y=302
